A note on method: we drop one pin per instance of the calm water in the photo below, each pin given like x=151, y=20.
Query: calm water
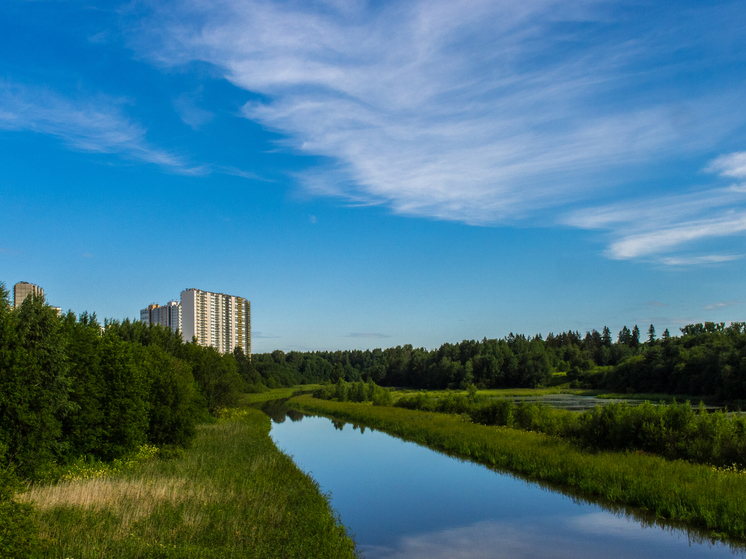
x=402, y=500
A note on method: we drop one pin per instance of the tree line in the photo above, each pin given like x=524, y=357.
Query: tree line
x=707, y=359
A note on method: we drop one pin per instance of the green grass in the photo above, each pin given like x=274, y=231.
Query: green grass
x=499, y=392
x=276, y=394
x=698, y=495
x=233, y=494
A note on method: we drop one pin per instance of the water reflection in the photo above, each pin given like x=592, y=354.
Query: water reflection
x=591, y=535
x=404, y=500
x=278, y=410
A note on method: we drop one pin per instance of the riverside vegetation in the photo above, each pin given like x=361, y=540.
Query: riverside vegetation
x=232, y=494
x=571, y=449
x=111, y=430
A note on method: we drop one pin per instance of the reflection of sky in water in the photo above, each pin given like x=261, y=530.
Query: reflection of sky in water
x=402, y=500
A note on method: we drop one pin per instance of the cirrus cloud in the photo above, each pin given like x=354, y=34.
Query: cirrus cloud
x=474, y=111
x=89, y=123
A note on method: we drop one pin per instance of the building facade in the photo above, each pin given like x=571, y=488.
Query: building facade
x=168, y=315
x=23, y=289
x=216, y=320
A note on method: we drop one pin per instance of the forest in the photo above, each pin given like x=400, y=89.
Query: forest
x=706, y=360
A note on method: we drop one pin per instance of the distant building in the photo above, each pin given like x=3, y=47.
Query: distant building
x=23, y=289
x=216, y=320
x=168, y=315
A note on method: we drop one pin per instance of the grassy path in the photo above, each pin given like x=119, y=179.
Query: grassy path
x=697, y=495
x=233, y=494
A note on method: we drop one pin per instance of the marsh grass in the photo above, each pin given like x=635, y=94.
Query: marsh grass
x=233, y=494
x=276, y=394
x=701, y=496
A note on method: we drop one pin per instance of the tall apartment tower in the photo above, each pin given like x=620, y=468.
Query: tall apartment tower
x=168, y=315
x=23, y=289
x=216, y=320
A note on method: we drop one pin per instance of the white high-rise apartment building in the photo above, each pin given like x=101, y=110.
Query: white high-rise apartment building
x=216, y=320
x=23, y=289
x=168, y=315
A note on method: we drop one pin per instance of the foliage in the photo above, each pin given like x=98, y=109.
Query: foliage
x=355, y=392
x=675, y=431
x=708, y=360
x=18, y=528
x=34, y=383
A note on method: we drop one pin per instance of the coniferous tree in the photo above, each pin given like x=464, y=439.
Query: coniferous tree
x=624, y=336
x=634, y=340
x=651, y=334
x=606, y=337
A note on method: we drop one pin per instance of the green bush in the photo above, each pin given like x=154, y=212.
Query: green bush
x=18, y=528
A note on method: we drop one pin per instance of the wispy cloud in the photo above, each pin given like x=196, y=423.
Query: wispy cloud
x=474, y=111
x=731, y=165
x=234, y=172
x=374, y=335
x=263, y=336
x=722, y=305
x=94, y=124
x=187, y=109
x=655, y=228
x=697, y=260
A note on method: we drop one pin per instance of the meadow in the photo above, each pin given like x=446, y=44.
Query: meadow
x=231, y=494
x=702, y=496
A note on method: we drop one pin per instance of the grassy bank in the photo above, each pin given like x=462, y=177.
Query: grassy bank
x=698, y=495
x=275, y=394
x=233, y=494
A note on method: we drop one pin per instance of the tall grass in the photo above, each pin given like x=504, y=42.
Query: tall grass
x=233, y=494
x=701, y=496
x=275, y=394
x=675, y=431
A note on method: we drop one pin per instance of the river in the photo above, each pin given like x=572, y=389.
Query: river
x=402, y=500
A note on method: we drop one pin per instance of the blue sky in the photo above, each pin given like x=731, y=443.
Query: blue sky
x=371, y=174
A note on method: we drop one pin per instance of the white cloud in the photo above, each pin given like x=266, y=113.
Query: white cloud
x=722, y=305
x=475, y=111
x=93, y=124
x=656, y=241
x=192, y=115
x=730, y=165
x=374, y=335
x=659, y=228
x=697, y=260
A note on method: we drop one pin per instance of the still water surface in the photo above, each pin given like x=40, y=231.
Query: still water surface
x=401, y=500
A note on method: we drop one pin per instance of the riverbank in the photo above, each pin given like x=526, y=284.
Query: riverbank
x=698, y=495
x=232, y=494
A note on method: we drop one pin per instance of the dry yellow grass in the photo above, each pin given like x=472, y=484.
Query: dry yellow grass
x=130, y=499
